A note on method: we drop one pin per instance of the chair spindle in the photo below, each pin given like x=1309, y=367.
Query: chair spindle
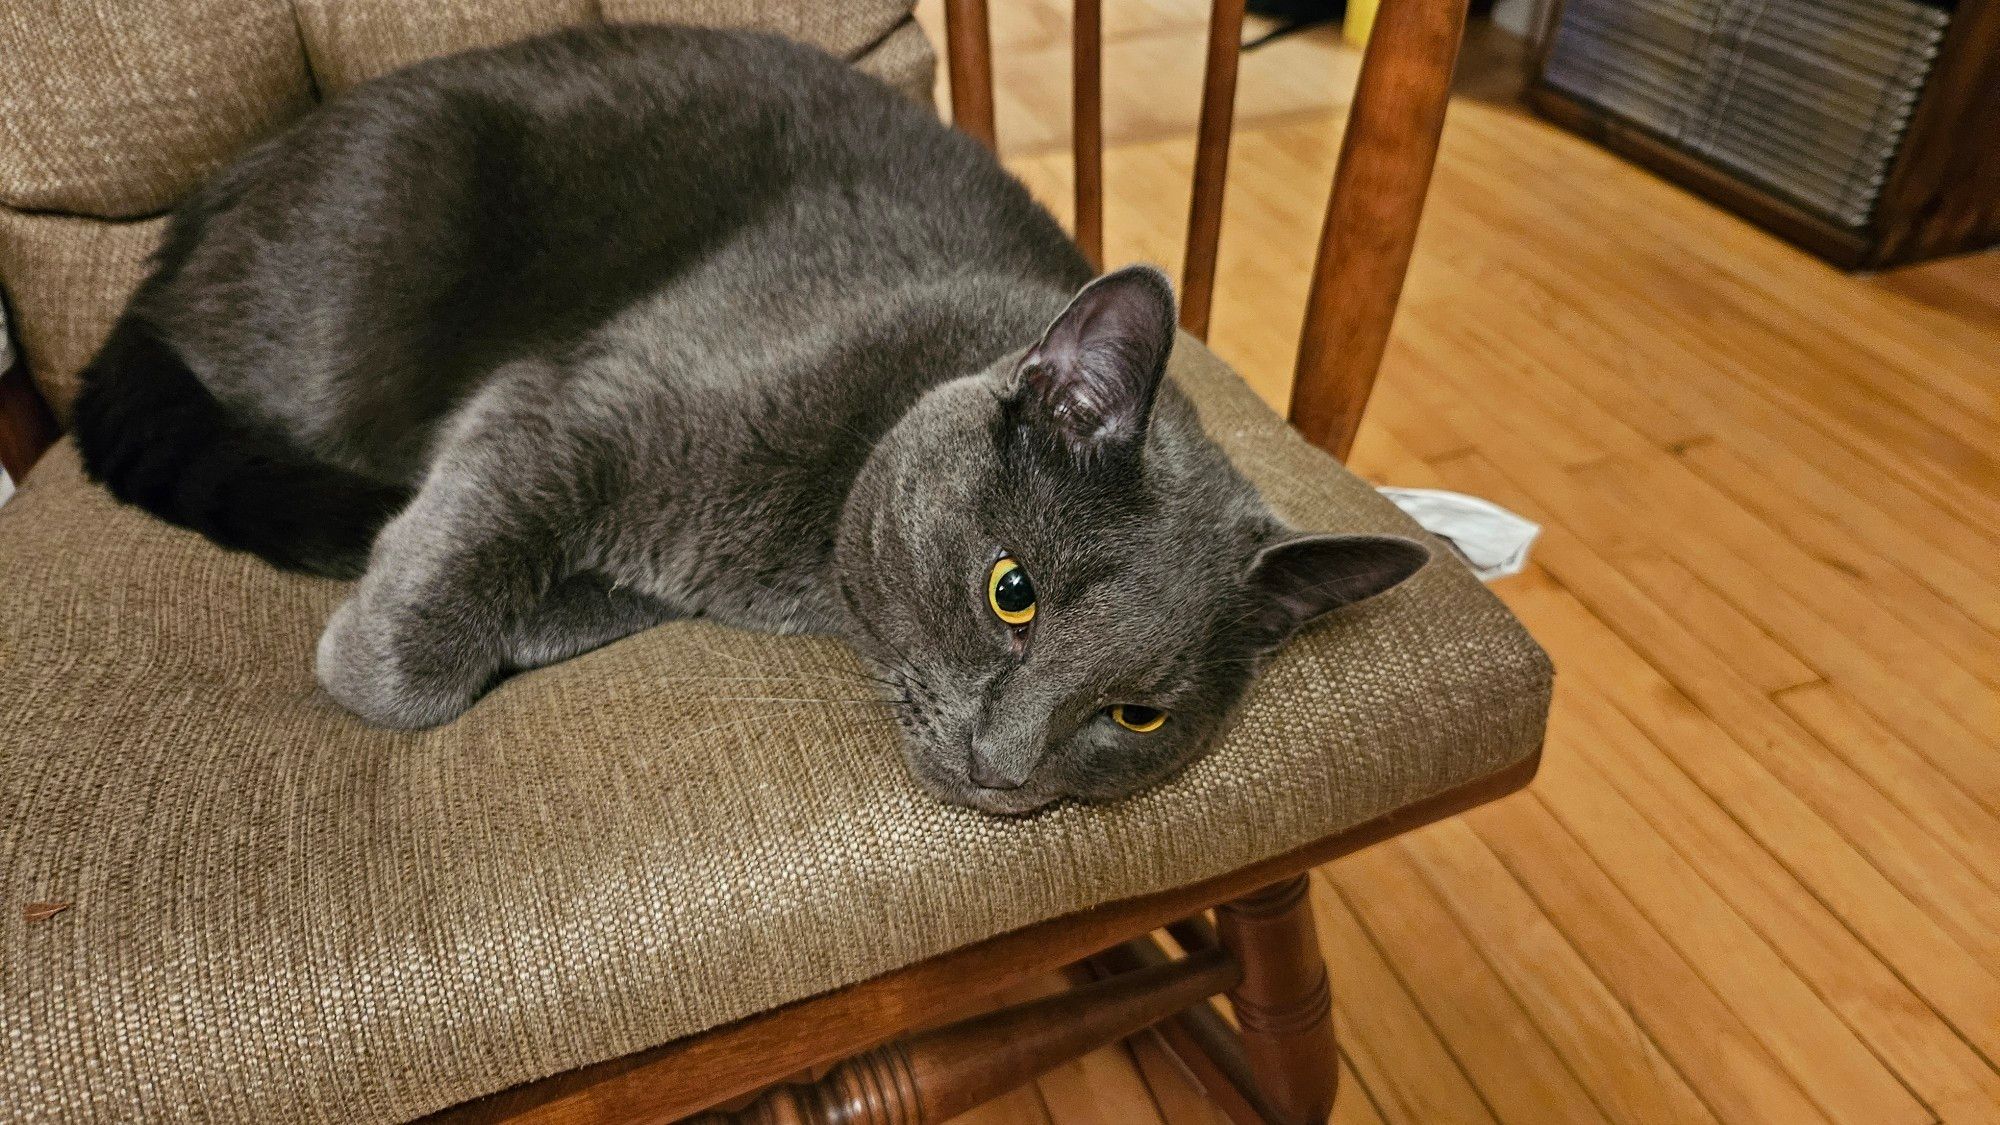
x=969, y=65
x=1371, y=218
x=1211, y=164
x=1087, y=125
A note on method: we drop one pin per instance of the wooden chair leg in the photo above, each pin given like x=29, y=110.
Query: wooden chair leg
x=939, y=1074
x=1283, y=1007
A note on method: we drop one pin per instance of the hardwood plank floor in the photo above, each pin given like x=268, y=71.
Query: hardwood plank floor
x=1759, y=879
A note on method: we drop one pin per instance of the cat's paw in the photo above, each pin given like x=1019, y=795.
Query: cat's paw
x=360, y=665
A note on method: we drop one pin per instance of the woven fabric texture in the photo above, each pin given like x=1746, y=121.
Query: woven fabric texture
x=279, y=914
x=66, y=279
x=348, y=42
x=115, y=109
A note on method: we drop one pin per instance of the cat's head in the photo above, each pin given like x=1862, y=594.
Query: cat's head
x=1066, y=583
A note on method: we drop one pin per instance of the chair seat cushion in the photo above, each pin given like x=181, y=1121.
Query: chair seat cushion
x=278, y=913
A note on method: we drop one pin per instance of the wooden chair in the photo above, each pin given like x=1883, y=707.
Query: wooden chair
x=1276, y=1060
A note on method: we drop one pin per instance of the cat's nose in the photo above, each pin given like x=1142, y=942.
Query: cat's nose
x=999, y=762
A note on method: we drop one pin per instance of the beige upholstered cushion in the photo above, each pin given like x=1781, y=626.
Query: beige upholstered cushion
x=116, y=108
x=349, y=41
x=283, y=915
x=112, y=110
x=66, y=279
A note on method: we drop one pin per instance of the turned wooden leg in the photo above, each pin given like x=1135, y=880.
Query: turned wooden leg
x=1283, y=1008
x=935, y=1075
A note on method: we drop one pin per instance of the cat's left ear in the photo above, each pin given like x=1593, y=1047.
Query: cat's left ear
x=1093, y=375
x=1301, y=578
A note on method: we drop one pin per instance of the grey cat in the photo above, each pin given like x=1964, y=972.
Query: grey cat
x=615, y=326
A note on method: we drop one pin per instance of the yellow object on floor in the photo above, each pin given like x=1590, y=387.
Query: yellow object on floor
x=1360, y=21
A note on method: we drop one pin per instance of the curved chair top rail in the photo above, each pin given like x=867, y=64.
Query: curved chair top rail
x=1379, y=185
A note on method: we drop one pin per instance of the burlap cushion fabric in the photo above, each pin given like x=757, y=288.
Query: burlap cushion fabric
x=281, y=914
x=66, y=279
x=115, y=108
x=112, y=110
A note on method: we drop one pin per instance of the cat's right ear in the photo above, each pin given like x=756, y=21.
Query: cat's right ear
x=1301, y=578
x=1093, y=375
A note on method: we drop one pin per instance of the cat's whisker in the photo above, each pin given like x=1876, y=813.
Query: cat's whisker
x=782, y=682
x=849, y=673
x=726, y=724
x=742, y=720
x=792, y=699
x=908, y=665
x=729, y=656
x=735, y=679
x=854, y=679
x=823, y=668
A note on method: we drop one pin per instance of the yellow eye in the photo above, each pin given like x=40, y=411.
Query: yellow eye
x=1010, y=593
x=1131, y=716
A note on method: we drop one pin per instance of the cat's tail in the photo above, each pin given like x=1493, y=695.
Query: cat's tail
x=157, y=438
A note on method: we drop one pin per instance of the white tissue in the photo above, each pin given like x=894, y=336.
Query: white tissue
x=6, y=361
x=1491, y=539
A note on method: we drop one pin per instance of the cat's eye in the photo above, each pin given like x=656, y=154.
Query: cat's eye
x=1010, y=593
x=1133, y=717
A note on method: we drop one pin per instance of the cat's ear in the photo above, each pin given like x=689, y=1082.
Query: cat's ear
x=1093, y=375
x=1301, y=578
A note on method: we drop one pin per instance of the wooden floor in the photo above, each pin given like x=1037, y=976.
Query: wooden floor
x=1759, y=877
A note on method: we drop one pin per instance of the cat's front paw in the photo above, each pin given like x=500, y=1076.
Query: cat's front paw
x=361, y=664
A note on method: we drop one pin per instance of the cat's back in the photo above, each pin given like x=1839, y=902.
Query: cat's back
x=351, y=279
x=578, y=169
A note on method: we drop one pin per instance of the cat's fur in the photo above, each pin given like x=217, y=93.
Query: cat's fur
x=628, y=324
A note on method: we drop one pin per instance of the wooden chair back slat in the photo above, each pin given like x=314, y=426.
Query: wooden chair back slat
x=1378, y=192
x=968, y=49
x=1087, y=125
x=1379, y=186
x=1211, y=165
